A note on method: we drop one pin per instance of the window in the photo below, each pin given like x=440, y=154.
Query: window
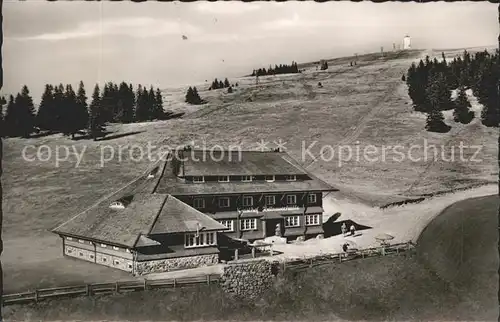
x=228, y=224
x=312, y=220
x=248, y=224
x=224, y=202
x=270, y=200
x=292, y=221
x=103, y=245
x=116, y=248
x=104, y=259
x=81, y=241
x=116, y=262
x=246, y=178
x=247, y=201
x=198, y=179
x=311, y=198
x=200, y=240
x=91, y=256
x=291, y=178
x=80, y=254
x=130, y=266
x=69, y=238
x=269, y=178
x=70, y=250
x=223, y=178
x=291, y=199
x=199, y=203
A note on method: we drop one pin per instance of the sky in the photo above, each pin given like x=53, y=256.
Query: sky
x=65, y=42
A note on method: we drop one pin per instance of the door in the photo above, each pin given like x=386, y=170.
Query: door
x=271, y=226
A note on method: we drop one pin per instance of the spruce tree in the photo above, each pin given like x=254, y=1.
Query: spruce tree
x=26, y=110
x=435, y=103
x=82, y=111
x=45, y=117
x=58, y=109
x=226, y=83
x=158, y=108
x=151, y=99
x=462, y=112
x=142, y=110
x=96, y=121
x=70, y=112
x=189, y=96
x=10, y=118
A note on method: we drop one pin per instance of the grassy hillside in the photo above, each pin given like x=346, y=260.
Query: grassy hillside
x=392, y=288
x=366, y=103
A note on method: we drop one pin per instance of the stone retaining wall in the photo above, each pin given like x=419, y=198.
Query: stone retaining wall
x=170, y=264
x=247, y=280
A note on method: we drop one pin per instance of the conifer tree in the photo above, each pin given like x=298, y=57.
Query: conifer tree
x=58, y=101
x=46, y=114
x=70, y=112
x=151, y=104
x=82, y=111
x=96, y=120
x=436, y=103
x=26, y=110
x=142, y=109
x=435, y=122
x=226, y=83
x=462, y=112
x=10, y=118
x=159, y=113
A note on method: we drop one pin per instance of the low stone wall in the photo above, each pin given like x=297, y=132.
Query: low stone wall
x=170, y=264
x=247, y=280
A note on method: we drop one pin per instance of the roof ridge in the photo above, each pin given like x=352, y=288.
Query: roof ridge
x=102, y=199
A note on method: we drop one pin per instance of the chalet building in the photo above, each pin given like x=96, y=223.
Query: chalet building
x=173, y=216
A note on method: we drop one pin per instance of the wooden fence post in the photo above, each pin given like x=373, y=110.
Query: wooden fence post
x=208, y=279
x=174, y=282
x=36, y=295
x=253, y=252
x=311, y=264
x=236, y=254
x=145, y=284
x=117, y=288
x=88, y=290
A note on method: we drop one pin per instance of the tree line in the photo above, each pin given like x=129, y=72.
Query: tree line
x=430, y=83
x=62, y=110
x=281, y=69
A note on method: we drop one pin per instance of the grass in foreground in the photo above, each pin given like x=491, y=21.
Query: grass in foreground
x=390, y=288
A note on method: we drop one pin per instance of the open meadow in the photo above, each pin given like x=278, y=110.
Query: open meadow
x=356, y=106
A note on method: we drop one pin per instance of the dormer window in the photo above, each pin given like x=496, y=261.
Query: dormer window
x=153, y=173
x=223, y=178
x=117, y=205
x=198, y=179
x=291, y=178
x=269, y=178
x=246, y=178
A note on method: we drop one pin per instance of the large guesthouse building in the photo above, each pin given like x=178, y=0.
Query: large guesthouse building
x=174, y=215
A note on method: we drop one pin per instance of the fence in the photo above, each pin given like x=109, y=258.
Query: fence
x=137, y=285
x=106, y=288
x=304, y=263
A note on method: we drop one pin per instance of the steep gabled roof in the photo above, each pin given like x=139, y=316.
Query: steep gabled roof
x=177, y=217
x=115, y=226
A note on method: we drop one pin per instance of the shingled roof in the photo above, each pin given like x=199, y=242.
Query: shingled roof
x=280, y=162
x=234, y=163
x=144, y=213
